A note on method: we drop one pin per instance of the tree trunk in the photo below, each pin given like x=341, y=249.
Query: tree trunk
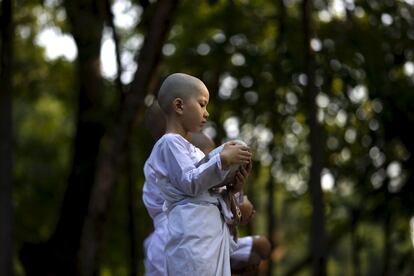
x=89, y=128
x=6, y=69
x=317, y=235
x=355, y=244
x=271, y=217
x=109, y=16
x=271, y=204
x=280, y=42
x=110, y=161
x=131, y=200
x=387, y=250
x=58, y=255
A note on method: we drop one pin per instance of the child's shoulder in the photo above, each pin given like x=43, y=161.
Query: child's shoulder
x=172, y=139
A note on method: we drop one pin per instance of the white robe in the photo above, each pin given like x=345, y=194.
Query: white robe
x=154, y=247
x=213, y=251
x=199, y=242
x=154, y=244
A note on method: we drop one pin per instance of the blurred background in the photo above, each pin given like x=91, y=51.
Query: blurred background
x=322, y=91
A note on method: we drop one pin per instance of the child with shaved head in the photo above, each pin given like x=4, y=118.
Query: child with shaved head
x=198, y=241
x=249, y=251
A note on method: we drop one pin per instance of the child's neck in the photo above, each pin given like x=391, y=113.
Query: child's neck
x=178, y=129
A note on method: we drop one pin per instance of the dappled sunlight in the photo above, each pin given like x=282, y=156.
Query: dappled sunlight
x=377, y=178
x=327, y=181
x=219, y=37
x=168, y=49
x=341, y=118
x=316, y=44
x=295, y=184
x=345, y=187
x=203, y=49
x=322, y=96
x=396, y=176
x=377, y=156
x=322, y=100
x=259, y=138
x=129, y=67
x=57, y=44
x=409, y=69
x=350, y=135
x=231, y=126
x=238, y=59
x=358, y=94
x=126, y=14
x=228, y=84
x=109, y=67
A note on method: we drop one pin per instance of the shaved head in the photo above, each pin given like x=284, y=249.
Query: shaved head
x=177, y=85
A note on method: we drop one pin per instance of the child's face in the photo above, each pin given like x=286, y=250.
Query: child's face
x=195, y=110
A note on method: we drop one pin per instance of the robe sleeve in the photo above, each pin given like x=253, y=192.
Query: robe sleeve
x=183, y=173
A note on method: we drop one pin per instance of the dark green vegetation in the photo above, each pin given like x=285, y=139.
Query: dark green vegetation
x=320, y=89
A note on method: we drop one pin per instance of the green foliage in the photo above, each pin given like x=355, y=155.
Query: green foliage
x=252, y=60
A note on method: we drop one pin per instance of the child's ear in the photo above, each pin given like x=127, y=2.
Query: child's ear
x=178, y=105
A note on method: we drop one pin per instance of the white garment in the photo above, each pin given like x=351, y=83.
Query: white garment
x=199, y=242
x=154, y=245
x=242, y=252
x=200, y=248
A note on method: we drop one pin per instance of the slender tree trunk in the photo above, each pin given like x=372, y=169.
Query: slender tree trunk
x=271, y=217
x=6, y=73
x=110, y=21
x=399, y=130
x=272, y=220
x=271, y=212
x=356, y=264
x=131, y=199
x=317, y=235
x=110, y=161
x=387, y=253
x=130, y=195
x=280, y=42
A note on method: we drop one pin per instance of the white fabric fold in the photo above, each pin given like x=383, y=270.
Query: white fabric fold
x=199, y=242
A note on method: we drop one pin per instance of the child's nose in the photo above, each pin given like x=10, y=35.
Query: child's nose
x=206, y=114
